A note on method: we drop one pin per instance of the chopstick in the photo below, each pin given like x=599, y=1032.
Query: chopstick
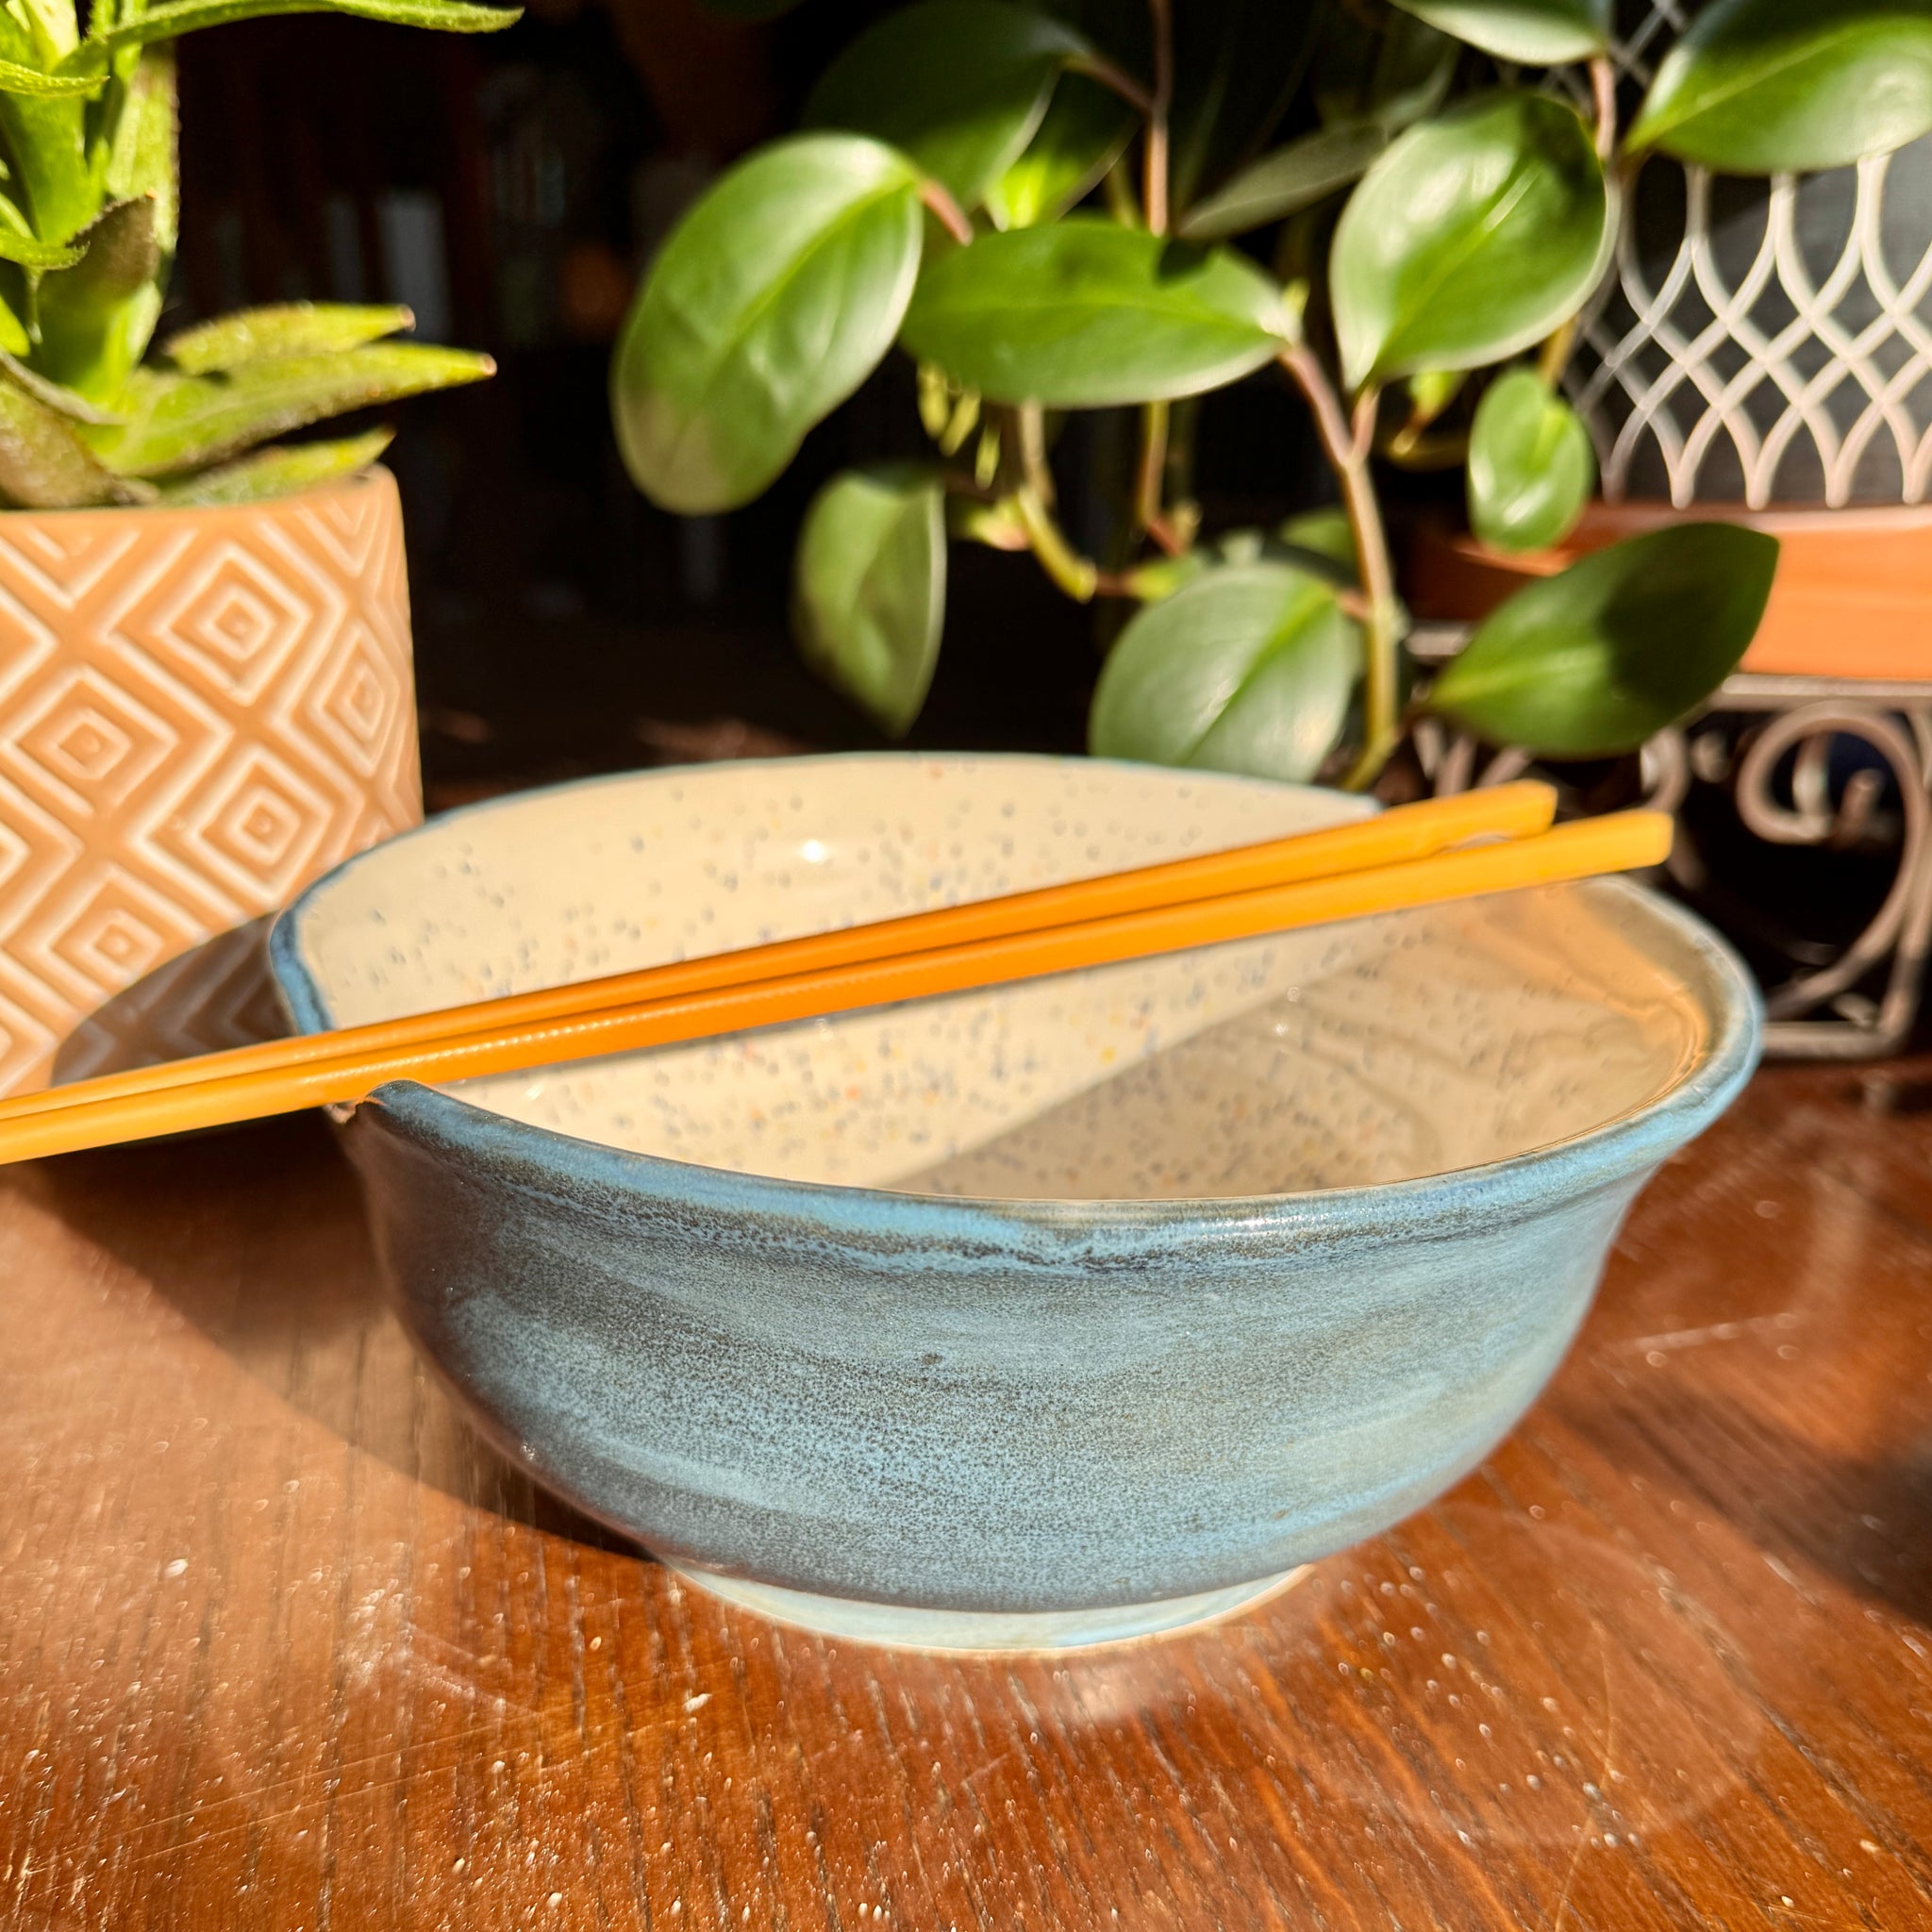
x=1582, y=850
x=1409, y=831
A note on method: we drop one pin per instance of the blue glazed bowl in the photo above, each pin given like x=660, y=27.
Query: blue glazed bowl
x=1041, y=1315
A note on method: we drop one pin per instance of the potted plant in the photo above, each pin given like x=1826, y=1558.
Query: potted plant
x=1403, y=209
x=204, y=672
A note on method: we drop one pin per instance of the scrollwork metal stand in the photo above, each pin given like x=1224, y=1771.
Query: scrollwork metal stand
x=1752, y=725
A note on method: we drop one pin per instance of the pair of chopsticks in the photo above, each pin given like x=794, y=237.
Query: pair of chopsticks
x=1403, y=857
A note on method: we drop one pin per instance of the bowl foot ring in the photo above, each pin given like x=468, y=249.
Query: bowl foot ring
x=901, y=1627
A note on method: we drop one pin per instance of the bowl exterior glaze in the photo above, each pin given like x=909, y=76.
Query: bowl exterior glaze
x=1005, y=1407
x=970, y=1406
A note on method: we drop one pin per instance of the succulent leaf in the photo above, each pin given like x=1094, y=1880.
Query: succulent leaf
x=96, y=317
x=53, y=395
x=279, y=472
x=44, y=465
x=168, y=23
x=176, y=423
x=286, y=328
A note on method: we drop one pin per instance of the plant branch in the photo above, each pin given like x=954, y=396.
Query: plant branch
x=1155, y=191
x=1078, y=575
x=1098, y=67
x=1348, y=445
x=952, y=217
x=1603, y=84
x=1149, y=479
x=1557, y=351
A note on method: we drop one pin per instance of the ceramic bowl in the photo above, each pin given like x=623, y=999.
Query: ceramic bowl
x=1047, y=1314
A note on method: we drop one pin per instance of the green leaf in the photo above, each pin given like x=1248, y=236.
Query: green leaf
x=1531, y=467
x=281, y=471
x=184, y=422
x=30, y=253
x=1472, y=238
x=959, y=85
x=1594, y=661
x=1248, y=669
x=1393, y=76
x=44, y=138
x=44, y=465
x=774, y=299
x=53, y=395
x=1082, y=314
x=16, y=77
x=1085, y=129
x=1766, y=87
x=869, y=595
x=1238, y=65
x=169, y=23
x=140, y=157
x=1538, y=33
x=1326, y=537
x=286, y=328
x=1292, y=178
x=96, y=317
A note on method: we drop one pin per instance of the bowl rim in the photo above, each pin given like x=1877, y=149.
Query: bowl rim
x=545, y=1162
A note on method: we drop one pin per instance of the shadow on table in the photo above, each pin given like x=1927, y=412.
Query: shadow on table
x=1864, y=1520
x=258, y=1235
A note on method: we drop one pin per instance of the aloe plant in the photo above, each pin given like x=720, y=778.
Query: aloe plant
x=1402, y=207
x=89, y=211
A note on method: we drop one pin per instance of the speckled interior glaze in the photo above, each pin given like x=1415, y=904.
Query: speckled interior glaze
x=1380, y=1051
x=1132, y=1284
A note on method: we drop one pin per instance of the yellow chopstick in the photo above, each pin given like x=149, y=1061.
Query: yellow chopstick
x=1582, y=850
x=1409, y=831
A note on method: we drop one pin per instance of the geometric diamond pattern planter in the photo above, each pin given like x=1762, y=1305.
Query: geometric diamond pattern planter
x=200, y=711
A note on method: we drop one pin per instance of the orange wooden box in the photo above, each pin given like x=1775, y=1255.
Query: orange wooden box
x=1853, y=596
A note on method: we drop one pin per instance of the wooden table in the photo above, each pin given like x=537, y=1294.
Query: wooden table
x=282, y=1647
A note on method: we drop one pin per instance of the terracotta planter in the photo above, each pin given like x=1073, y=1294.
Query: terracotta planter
x=200, y=711
x=1853, y=596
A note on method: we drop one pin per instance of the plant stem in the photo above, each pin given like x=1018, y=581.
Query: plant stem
x=1603, y=84
x=1078, y=575
x=1098, y=67
x=1151, y=476
x=1030, y=438
x=1155, y=193
x=952, y=216
x=1348, y=446
x=1557, y=351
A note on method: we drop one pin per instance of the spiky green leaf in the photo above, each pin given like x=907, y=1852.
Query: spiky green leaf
x=52, y=396
x=30, y=253
x=177, y=423
x=44, y=464
x=285, y=328
x=281, y=471
x=17, y=77
x=96, y=317
x=169, y=23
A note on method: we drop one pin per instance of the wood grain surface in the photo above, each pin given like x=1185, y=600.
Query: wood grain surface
x=282, y=1647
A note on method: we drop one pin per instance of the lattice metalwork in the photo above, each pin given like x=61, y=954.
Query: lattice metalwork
x=1763, y=341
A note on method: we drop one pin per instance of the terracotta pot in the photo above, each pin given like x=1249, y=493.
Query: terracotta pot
x=200, y=711
x=1853, y=596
